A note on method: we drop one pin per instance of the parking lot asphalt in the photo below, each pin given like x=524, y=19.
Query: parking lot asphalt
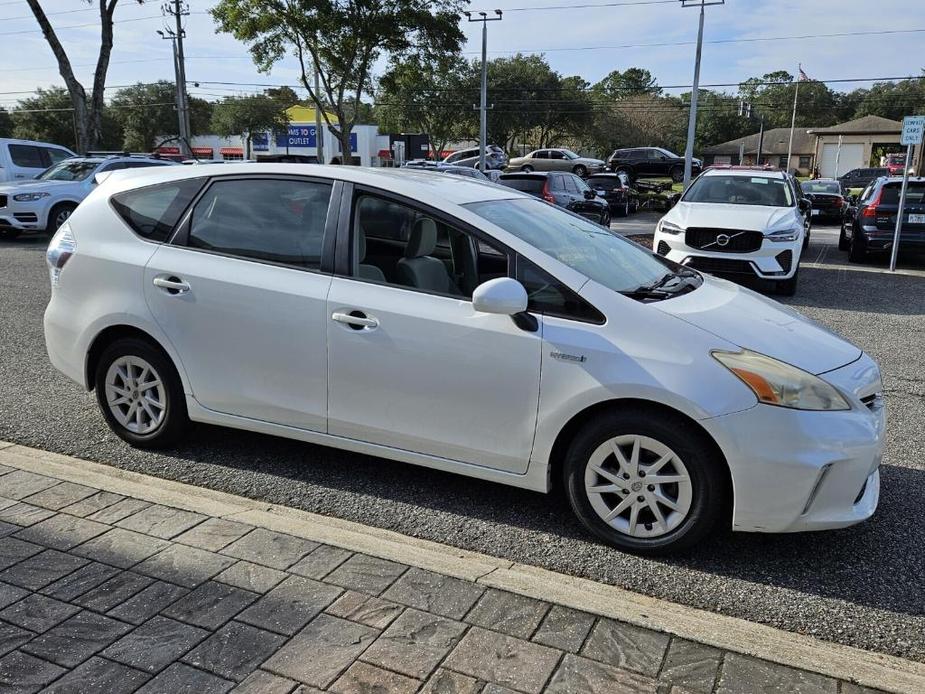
x=862, y=586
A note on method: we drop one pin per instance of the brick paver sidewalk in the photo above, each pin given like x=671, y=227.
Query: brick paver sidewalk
x=105, y=593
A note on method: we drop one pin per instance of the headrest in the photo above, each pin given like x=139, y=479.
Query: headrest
x=423, y=239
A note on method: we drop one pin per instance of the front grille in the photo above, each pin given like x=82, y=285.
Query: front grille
x=663, y=248
x=784, y=259
x=721, y=266
x=3, y=200
x=723, y=240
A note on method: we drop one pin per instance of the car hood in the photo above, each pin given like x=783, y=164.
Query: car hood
x=32, y=185
x=754, y=322
x=592, y=162
x=753, y=217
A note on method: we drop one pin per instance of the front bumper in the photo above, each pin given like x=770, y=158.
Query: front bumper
x=24, y=216
x=794, y=470
x=769, y=262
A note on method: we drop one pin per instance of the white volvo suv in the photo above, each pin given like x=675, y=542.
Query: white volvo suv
x=45, y=202
x=744, y=222
x=466, y=327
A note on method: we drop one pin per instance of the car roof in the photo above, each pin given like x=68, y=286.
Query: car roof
x=418, y=184
x=17, y=141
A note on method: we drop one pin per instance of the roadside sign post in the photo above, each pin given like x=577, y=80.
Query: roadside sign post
x=913, y=130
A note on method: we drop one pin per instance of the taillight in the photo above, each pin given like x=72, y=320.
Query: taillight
x=871, y=209
x=60, y=249
x=547, y=196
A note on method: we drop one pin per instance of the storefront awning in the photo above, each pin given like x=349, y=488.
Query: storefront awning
x=232, y=151
x=202, y=151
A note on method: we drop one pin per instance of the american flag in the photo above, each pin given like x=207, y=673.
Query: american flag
x=803, y=76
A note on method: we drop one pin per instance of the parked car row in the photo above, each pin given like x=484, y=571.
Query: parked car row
x=869, y=225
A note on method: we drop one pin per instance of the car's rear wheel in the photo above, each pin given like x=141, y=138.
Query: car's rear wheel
x=645, y=484
x=677, y=174
x=857, y=251
x=580, y=170
x=59, y=215
x=140, y=394
x=624, y=209
x=9, y=234
x=526, y=168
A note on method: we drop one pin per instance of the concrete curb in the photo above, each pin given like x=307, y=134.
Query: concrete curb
x=865, y=668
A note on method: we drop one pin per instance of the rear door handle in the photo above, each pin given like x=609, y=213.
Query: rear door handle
x=355, y=319
x=173, y=285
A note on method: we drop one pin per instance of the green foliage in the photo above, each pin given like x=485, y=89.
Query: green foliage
x=146, y=111
x=342, y=39
x=6, y=123
x=632, y=82
x=46, y=117
x=892, y=99
x=246, y=115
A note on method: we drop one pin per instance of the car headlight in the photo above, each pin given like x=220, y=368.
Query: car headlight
x=29, y=197
x=776, y=383
x=785, y=234
x=670, y=228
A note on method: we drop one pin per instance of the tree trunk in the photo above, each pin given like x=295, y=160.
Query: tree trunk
x=346, y=156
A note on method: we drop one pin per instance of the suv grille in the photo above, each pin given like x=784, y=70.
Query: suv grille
x=736, y=241
x=720, y=266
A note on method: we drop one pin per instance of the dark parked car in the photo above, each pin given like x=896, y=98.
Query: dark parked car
x=828, y=200
x=563, y=189
x=651, y=162
x=870, y=225
x=861, y=178
x=622, y=199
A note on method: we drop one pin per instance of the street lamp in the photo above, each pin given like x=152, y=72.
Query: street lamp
x=483, y=105
x=692, y=119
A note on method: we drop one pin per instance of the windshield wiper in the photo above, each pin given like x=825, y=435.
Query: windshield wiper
x=659, y=289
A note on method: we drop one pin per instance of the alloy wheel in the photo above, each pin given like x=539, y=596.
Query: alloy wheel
x=135, y=394
x=638, y=486
x=63, y=215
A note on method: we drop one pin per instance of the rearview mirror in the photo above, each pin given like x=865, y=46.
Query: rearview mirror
x=502, y=295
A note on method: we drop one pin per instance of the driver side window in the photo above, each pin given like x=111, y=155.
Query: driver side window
x=402, y=246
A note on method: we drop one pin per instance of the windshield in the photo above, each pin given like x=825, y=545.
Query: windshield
x=740, y=190
x=69, y=171
x=830, y=187
x=592, y=250
x=667, y=153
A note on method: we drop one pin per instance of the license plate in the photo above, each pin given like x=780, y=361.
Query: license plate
x=917, y=219
x=815, y=212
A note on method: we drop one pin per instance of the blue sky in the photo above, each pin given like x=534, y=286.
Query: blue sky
x=140, y=54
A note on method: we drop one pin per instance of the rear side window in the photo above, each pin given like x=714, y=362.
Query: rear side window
x=27, y=156
x=56, y=155
x=534, y=186
x=271, y=220
x=915, y=194
x=154, y=211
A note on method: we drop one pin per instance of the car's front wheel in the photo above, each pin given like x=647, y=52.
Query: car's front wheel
x=140, y=394
x=843, y=243
x=677, y=174
x=788, y=287
x=645, y=484
x=580, y=170
x=59, y=214
x=526, y=168
x=605, y=218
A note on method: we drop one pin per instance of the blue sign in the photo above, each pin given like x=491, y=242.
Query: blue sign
x=353, y=143
x=260, y=142
x=298, y=136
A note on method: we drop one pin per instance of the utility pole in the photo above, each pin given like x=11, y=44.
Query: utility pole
x=483, y=105
x=793, y=119
x=692, y=119
x=178, y=10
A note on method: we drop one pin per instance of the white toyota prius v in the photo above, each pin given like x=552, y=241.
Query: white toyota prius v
x=467, y=327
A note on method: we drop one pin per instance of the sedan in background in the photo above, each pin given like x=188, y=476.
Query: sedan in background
x=495, y=157
x=563, y=189
x=871, y=228
x=556, y=160
x=622, y=199
x=827, y=198
x=861, y=178
x=651, y=162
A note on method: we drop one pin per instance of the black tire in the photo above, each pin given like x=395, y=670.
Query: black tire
x=9, y=234
x=857, y=250
x=843, y=243
x=705, y=468
x=58, y=215
x=605, y=218
x=788, y=287
x=580, y=170
x=526, y=168
x=175, y=422
x=625, y=170
x=624, y=210
x=677, y=174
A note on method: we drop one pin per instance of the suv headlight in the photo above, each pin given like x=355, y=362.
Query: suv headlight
x=776, y=383
x=29, y=197
x=670, y=228
x=785, y=234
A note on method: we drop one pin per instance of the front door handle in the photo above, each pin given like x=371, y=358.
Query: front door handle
x=355, y=319
x=173, y=285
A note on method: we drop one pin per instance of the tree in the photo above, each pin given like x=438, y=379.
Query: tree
x=772, y=96
x=342, y=40
x=146, y=112
x=718, y=118
x=634, y=81
x=893, y=99
x=246, y=115
x=420, y=95
x=46, y=117
x=88, y=109
x=6, y=123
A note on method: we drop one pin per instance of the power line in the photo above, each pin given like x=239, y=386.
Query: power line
x=91, y=24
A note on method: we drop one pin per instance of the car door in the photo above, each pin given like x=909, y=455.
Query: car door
x=27, y=161
x=587, y=207
x=240, y=293
x=557, y=161
x=539, y=160
x=412, y=365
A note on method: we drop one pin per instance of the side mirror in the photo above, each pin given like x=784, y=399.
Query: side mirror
x=853, y=199
x=501, y=295
x=590, y=194
x=805, y=205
